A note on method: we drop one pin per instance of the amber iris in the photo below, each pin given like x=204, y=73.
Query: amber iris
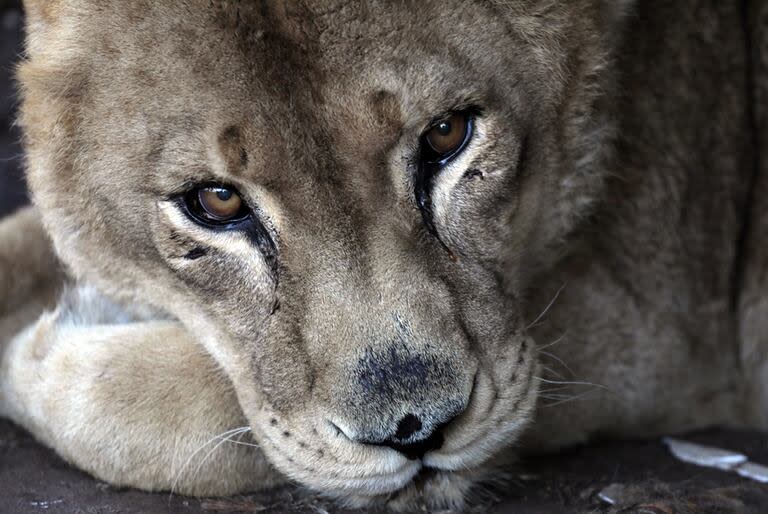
x=447, y=136
x=220, y=203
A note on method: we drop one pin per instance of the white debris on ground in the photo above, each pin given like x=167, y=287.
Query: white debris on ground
x=754, y=471
x=711, y=457
x=707, y=456
x=700, y=455
x=611, y=494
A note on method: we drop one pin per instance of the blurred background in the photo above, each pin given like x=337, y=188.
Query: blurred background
x=12, y=191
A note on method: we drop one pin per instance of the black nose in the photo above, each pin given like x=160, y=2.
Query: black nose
x=417, y=449
x=409, y=425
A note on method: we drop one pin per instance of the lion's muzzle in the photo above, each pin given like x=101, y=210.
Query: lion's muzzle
x=401, y=399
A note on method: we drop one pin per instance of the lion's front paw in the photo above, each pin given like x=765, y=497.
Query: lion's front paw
x=20, y=366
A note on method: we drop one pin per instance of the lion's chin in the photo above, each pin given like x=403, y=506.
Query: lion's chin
x=372, y=487
x=427, y=489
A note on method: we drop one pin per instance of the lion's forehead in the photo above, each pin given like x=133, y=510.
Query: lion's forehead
x=310, y=98
x=290, y=62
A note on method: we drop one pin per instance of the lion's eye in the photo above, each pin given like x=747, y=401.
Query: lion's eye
x=447, y=138
x=218, y=205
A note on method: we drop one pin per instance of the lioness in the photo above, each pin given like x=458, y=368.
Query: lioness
x=372, y=242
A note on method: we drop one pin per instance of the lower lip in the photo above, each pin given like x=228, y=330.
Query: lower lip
x=450, y=462
x=378, y=485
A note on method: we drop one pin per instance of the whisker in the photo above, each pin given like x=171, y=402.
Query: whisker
x=593, y=386
x=244, y=444
x=558, y=359
x=558, y=382
x=12, y=158
x=554, y=390
x=546, y=309
x=557, y=397
x=189, y=459
x=240, y=437
x=553, y=343
x=552, y=371
x=213, y=450
x=570, y=399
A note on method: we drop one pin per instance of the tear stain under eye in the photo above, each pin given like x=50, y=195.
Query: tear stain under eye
x=251, y=227
x=275, y=307
x=424, y=184
x=260, y=237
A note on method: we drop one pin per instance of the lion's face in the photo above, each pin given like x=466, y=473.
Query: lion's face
x=345, y=203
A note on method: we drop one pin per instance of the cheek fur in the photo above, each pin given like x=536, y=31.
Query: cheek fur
x=224, y=271
x=477, y=194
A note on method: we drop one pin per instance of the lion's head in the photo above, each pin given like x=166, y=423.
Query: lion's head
x=345, y=202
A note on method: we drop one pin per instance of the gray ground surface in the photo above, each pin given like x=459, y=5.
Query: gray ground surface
x=33, y=479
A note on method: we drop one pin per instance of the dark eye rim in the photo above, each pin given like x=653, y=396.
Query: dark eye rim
x=248, y=222
x=430, y=163
x=191, y=206
x=430, y=156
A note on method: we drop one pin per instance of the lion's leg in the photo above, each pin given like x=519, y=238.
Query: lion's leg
x=137, y=404
x=29, y=269
x=30, y=273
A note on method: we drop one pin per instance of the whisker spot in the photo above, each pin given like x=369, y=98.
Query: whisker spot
x=195, y=253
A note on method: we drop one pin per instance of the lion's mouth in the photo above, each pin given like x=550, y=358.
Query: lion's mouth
x=341, y=467
x=415, y=474
x=378, y=485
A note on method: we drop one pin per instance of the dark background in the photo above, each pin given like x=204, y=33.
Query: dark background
x=34, y=479
x=12, y=192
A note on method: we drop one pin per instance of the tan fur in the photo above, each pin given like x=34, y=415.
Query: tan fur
x=591, y=227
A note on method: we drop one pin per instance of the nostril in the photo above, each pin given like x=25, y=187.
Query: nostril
x=410, y=425
x=407, y=426
x=416, y=450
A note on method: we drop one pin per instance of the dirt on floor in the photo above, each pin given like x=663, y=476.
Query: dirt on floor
x=647, y=480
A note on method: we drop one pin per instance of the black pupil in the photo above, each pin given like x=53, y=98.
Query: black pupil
x=444, y=128
x=224, y=194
